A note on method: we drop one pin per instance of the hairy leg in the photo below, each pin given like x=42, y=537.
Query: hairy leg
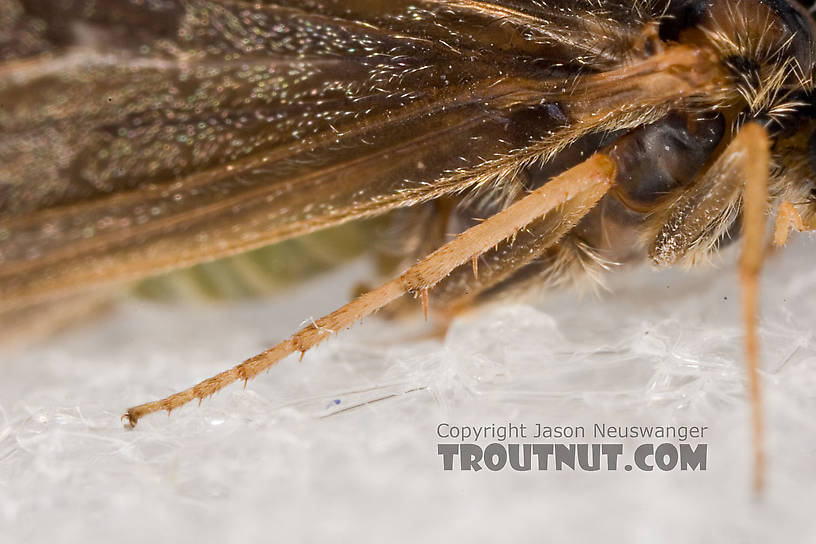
x=464, y=285
x=590, y=179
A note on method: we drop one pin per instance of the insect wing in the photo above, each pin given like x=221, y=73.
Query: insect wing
x=137, y=138
x=143, y=137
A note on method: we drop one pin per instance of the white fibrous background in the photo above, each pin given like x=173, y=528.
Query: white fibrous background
x=342, y=447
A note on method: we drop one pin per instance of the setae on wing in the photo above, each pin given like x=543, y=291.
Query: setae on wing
x=138, y=137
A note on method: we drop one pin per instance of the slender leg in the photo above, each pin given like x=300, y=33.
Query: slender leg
x=694, y=223
x=755, y=195
x=592, y=177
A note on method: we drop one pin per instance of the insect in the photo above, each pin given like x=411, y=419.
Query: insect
x=512, y=143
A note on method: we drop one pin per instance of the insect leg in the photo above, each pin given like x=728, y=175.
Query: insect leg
x=462, y=288
x=788, y=219
x=592, y=177
x=694, y=223
x=755, y=197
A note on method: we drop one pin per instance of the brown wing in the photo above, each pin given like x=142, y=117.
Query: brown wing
x=140, y=137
